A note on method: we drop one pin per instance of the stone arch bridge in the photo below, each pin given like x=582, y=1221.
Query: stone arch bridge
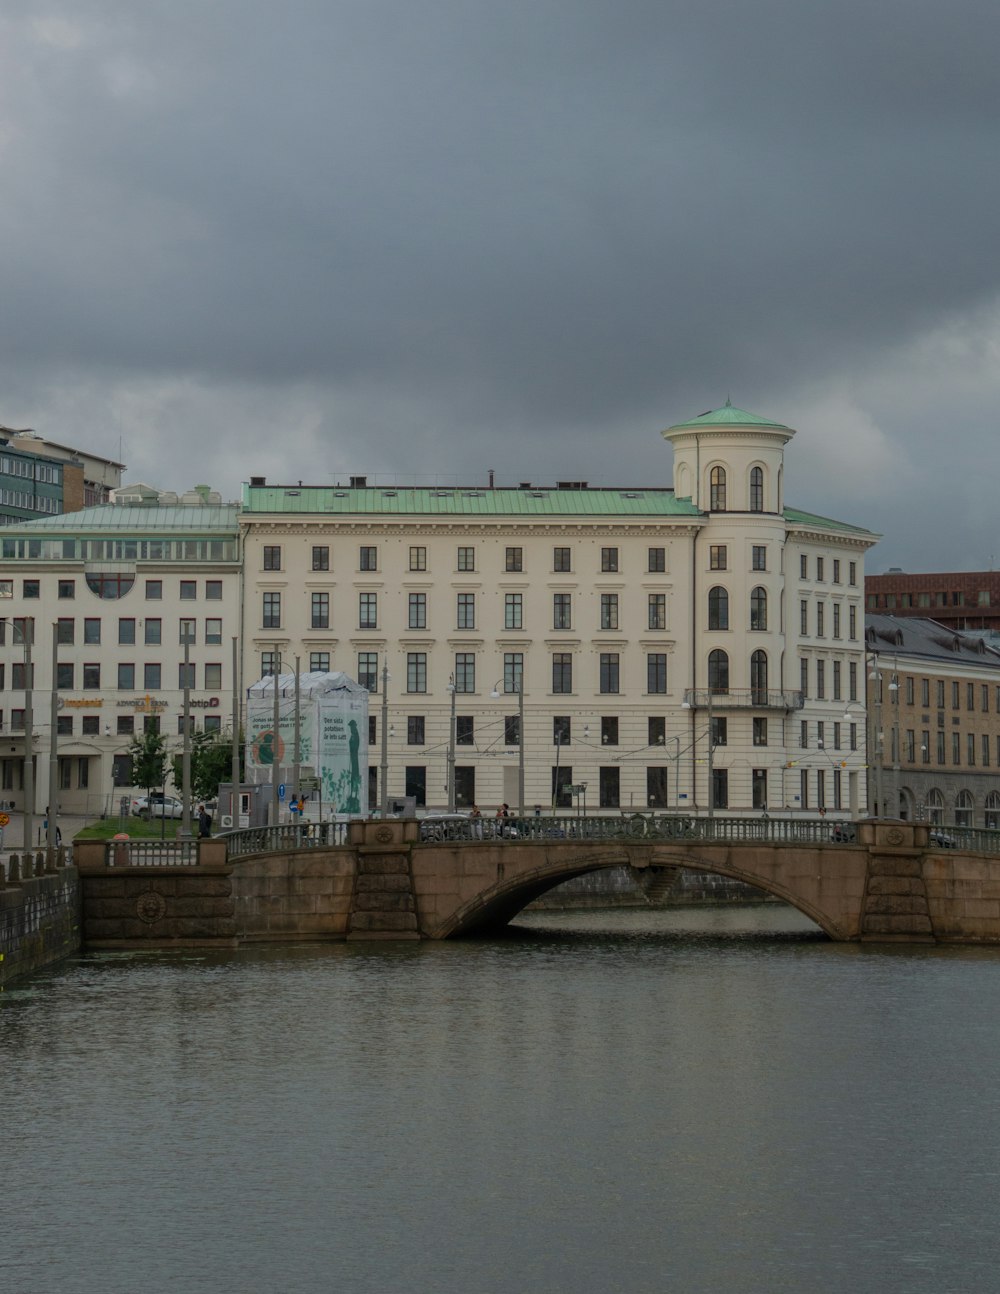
x=871, y=880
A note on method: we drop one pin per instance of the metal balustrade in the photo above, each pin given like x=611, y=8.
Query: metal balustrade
x=151, y=853
x=289, y=835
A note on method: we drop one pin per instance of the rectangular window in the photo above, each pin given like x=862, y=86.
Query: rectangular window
x=272, y=557
x=657, y=560
x=92, y=676
x=986, y=750
x=610, y=786
x=821, y=680
x=153, y=631
x=804, y=618
x=758, y=557
x=213, y=631
x=836, y=620
x=418, y=558
x=321, y=557
x=561, y=559
x=760, y=732
x=272, y=611
x=465, y=671
x=126, y=725
x=416, y=611
x=368, y=670
x=320, y=611
x=466, y=611
x=562, y=730
x=852, y=577
x=819, y=568
x=970, y=749
x=955, y=696
x=925, y=691
x=656, y=786
x=66, y=631
x=466, y=559
x=270, y=663
x=717, y=557
x=368, y=610
x=465, y=730
x=126, y=631
x=657, y=611
x=189, y=590
x=368, y=558
x=213, y=676
x=512, y=610
x=719, y=732
x=562, y=672
x=609, y=559
x=213, y=722
x=188, y=629
x=180, y=724
x=758, y=787
x=609, y=669
x=151, y=677
x=64, y=677
x=64, y=725
x=213, y=590
x=940, y=693
x=940, y=747
x=186, y=676
x=512, y=730
x=720, y=788
x=91, y=631
x=956, y=748
x=803, y=567
x=415, y=730
x=514, y=559
x=852, y=680
x=18, y=675
x=126, y=677
x=970, y=696
x=416, y=671
x=319, y=662
x=656, y=730
x=154, y=590
x=67, y=589
x=609, y=610
x=656, y=672
x=513, y=666
x=17, y=723
x=609, y=730
x=562, y=617
x=852, y=613
x=819, y=619
x=836, y=681
x=415, y=782
x=804, y=677
x=984, y=696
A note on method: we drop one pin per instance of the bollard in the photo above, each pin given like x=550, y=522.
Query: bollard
x=120, y=842
x=14, y=870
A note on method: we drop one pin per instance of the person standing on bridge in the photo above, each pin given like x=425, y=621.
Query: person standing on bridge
x=204, y=823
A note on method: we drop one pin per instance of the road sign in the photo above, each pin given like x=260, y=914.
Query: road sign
x=281, y=791
x=4, y=819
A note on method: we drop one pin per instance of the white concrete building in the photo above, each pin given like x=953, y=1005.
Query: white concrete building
x=124, y=587
x=679, y=648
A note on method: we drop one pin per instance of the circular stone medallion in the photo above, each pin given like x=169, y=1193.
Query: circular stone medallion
x=150, y=906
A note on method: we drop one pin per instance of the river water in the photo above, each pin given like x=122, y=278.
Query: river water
x=625, y=1101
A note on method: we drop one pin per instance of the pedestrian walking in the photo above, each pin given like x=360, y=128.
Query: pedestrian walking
x=204, y=823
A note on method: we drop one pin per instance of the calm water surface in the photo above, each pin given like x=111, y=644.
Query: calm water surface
x=613, y=1101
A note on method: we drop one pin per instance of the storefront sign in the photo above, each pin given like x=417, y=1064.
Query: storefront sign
x=79, y=703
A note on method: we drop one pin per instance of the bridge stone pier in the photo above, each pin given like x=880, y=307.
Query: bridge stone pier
x=889, y=882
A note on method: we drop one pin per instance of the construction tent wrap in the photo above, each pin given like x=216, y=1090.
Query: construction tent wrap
x=333, y=735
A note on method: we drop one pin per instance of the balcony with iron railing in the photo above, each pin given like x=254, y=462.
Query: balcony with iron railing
x=748, y=698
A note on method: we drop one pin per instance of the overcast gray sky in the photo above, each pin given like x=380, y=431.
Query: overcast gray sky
x=345, y=236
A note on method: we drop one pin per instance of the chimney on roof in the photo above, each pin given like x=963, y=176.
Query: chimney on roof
x=257, y=480
x=491, y=478
x=359, y=482
x=525, y=485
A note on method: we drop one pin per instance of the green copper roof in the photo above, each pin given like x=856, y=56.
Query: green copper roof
x=729, y=416
x=112, y=518
x=465, y=502
x=793, y=517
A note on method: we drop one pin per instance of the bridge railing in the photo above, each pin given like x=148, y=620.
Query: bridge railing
x=151, y=853
x=639, y=826
x=291, y=835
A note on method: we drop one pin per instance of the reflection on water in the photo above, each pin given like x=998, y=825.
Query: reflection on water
x=693, y=1100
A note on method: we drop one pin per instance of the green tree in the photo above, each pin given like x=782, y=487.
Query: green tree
x=211, y=763
x=149, y=760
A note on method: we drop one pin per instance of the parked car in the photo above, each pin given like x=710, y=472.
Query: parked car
x=162, y=808
x=140, y=802
x=941, y=838
x=448, y=826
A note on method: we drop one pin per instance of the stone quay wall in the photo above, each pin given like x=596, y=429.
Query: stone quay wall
x=40, y=921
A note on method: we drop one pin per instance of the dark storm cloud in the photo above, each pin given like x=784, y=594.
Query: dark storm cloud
x=459, y=232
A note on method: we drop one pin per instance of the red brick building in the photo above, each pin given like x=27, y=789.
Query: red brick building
x=961, y=600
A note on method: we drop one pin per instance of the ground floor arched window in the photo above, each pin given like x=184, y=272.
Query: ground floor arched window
x=992, y=810
x=964, y=809
x=935, y=806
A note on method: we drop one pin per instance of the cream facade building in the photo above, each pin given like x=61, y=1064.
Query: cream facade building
x=681, y=648
x=122, y=588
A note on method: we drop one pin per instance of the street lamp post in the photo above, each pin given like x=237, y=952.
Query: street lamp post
x=296, y=757
x=384, y=764
x=186, y=749
x=26, y=629
x=451, y=747
x=52, y=830
x=276, y=743
x=234, y=804
x=520, y=736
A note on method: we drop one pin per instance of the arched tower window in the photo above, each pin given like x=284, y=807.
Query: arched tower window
x=756, y=489
x=758, y=677
x=718, y=671
x=758, y=608
x=717, y=492
x=718, y=608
